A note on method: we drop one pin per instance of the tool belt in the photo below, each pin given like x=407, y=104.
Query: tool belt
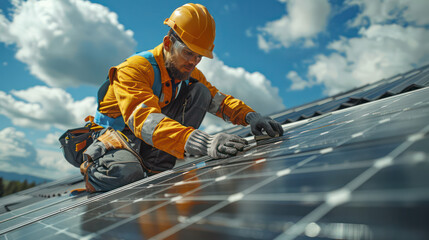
x=81, y=146
x=108, y=139
x=75, y=141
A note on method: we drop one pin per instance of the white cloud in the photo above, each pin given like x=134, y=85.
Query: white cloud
x=14, y=145
x=51, y=139
x=305, y=19
x=4, y=31
x=381, y=49
x=54, y=164
x=380, y=11
x=66, y=43
x=17, y=154
x=42, y=107
x=248, y=32
x=253, y=88
x=266, y=45
x=297, y=82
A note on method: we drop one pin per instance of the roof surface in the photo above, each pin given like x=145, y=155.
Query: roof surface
x=352, y=166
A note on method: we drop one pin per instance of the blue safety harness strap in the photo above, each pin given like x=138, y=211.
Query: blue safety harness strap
x=118, y=123
x=157, y=85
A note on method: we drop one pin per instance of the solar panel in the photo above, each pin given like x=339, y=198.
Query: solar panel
x=414, y=79
x=356, y=173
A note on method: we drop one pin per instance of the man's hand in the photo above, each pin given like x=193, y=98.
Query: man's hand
x=259, y=123
x=224, y=145
x=221, y=145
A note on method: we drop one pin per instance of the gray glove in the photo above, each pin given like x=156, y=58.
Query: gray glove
x=257, y=123
x=221, y=145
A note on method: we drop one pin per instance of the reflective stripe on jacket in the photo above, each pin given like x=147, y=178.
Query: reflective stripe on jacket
x=130, y=95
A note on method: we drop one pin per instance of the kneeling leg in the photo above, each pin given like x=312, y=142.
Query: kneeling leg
x=114, y=169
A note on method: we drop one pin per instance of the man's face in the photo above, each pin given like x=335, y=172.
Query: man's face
x=182, y=61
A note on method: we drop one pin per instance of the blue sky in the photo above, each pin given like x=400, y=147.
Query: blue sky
x=272, y=54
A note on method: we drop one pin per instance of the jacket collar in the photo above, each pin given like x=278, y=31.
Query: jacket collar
x=159, y=57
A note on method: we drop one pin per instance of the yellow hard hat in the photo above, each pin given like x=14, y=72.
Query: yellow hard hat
x=195, y=26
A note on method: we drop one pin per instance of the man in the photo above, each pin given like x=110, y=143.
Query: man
x=158, y=99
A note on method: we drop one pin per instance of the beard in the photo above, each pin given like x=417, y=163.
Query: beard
x=175, y=73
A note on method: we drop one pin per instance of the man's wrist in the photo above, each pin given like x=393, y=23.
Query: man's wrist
x=252, y=115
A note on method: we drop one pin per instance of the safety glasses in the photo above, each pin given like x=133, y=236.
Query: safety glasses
x=185, y=52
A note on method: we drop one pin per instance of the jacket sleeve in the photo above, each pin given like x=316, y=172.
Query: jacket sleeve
x=224, y=106
x=132, y=85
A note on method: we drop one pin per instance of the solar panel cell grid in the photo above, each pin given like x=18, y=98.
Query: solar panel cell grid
x=358, y=173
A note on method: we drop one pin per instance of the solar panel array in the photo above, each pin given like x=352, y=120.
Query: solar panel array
x=359, y=172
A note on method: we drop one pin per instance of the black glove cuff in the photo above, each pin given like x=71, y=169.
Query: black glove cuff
x=251, y=116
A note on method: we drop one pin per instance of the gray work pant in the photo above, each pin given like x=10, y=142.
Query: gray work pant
x=119, y=167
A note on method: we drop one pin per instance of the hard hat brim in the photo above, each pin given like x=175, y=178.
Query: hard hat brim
x=189, y=44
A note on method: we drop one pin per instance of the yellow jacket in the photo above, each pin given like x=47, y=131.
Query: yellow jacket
x=130, y=95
